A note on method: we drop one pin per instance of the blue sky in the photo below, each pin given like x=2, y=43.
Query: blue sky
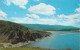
x=52, y=12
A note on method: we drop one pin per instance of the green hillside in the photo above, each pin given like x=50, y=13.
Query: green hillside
x=15, y=33
x=50, y=27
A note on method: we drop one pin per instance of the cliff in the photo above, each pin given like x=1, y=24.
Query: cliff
x=15, y=33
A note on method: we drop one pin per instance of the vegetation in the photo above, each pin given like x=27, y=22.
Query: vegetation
x=12, y=25
x=1, y=45
x=24, y=48
x=15, y=33
x=62, y=29
x=50, y=27
x=29, y=48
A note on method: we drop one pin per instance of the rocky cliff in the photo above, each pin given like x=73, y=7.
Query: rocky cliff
x=15, y=33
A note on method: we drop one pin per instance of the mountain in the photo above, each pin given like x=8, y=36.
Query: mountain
x=15, y=33
x=50, y=27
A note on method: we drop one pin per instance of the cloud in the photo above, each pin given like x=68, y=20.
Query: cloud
x=70, y=20
x=49, y=21
x=78, y=10
x=2, y=14
x=62, y=19
x=32, y=16
x=67, y=20
x=34, y=19
x=18, y=20
x=73, y=16
x=37, y=21
x=20, y=3
x=42, y=8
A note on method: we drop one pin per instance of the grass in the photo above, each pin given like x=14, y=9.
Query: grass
x=1, y=45
x=26, y=48
x=23, y=48
x=29, y=48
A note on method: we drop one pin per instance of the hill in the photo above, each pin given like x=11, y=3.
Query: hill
x=15, y=33
x=50, y=27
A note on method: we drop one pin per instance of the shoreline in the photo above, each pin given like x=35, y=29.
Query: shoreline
x=21, y=44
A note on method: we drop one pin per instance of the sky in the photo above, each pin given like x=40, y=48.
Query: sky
x=49, y=12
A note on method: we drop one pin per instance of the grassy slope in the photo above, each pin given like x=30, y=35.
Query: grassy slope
x=50, y=27
x=12, y=25
x=14, y=33
x=6, y=27
x=24, y=48
x=30, y=48
x=1, y=45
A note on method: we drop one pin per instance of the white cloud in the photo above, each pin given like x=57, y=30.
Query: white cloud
x=18, y=20
x=20, y=3
x=69, y=20
x=35, y=19
x=49, y=21
x=33, y=16
x=42, y=8
x=78, y=10
x=73, y=16
x=2, y=14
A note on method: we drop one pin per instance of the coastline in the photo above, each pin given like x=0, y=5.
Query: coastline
x=21, y=44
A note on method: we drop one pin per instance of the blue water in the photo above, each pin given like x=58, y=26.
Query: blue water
x=60, y=41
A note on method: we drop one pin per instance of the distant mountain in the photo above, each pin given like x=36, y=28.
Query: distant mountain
x=50, y=27
x=14, y=33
